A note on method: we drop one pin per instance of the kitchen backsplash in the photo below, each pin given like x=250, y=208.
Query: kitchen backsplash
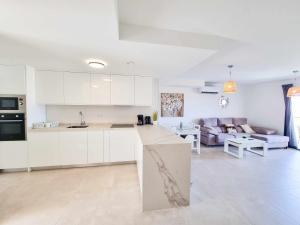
x=97, y=114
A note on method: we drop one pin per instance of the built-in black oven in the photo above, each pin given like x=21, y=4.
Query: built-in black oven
x=12, y=104
x=12, y=127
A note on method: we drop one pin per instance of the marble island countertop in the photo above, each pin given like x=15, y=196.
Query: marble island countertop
x=152, y=135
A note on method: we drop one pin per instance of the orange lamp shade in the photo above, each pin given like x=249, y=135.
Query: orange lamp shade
x=293, y=91
x=230, y=87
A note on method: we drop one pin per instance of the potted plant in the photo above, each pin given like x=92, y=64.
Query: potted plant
x=155, y=115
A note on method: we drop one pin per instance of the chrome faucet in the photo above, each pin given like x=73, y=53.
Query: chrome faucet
x=82, y=122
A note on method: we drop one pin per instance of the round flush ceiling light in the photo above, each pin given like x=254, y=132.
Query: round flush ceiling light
x=97, y=64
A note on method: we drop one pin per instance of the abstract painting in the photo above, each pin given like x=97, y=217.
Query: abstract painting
x=172, y=104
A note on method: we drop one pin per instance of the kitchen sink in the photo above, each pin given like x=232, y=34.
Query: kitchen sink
x=121, y=125
x=78, y=126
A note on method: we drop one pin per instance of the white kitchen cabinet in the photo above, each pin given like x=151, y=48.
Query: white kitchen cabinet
x=139, y=160
x=12, y=80
x=43, y=149
x=143, y=91
x=122, y=90
x=106, y=154
x=122, y=144
x=13, y=154
x=95, y=147
x=49, y=87
x=77, y=88
x=73, y=147
x=100, y=89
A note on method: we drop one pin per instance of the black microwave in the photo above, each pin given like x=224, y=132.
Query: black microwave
x=12, y=104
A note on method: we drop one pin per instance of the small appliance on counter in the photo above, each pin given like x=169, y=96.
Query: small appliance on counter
x=45, y=125
x=140, y=120
x=148, y=120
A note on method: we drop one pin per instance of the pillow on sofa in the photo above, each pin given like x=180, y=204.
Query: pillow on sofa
x=231, y=130
x=247, y=129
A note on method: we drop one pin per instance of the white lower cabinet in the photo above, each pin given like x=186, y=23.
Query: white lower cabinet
x=95, y=147
x=73, y=147
x=122, y=145
x=13, y=154
x=43, y=149
x=62, y=148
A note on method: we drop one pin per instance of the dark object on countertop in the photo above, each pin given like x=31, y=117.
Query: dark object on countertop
x=140, y=120
x=148, y=120
x=121, y=125
x=79, y=126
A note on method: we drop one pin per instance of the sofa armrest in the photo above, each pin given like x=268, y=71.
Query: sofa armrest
x=208, y=131
x=264, y=130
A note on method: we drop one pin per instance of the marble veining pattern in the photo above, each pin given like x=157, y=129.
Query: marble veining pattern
x=171, y=188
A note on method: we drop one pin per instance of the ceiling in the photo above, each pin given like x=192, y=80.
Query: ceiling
x=188, y=39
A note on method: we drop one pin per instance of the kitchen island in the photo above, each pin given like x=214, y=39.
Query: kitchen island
x=163, y=159
x=164, y=167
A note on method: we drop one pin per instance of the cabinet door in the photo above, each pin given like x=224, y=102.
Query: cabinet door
x=100, y=89
x=122, y=145
x=49, y=87
x=43, y=149
x=95, y=146
x=73, y=147
x=122, y=90
x=12, y=80
x=143, y=91
x=13, y=154
x=77, y=88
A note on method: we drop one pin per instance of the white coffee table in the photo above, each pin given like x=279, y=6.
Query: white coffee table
x=191, y=131
x=245, y=144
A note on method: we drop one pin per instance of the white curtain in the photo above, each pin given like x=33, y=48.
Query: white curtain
x=296, y=116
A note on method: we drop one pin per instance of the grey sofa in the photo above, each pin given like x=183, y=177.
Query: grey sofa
x=213, y=132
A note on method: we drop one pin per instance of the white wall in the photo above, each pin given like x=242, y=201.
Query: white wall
x=197, y=105
x=265, y=104
x=97, y=114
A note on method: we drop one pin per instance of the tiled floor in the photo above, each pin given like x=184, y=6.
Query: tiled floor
x=225, y=190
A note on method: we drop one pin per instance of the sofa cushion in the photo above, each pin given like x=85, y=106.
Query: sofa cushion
x=239, y=121
x=214, y=129
x=271, y=138
x=222, y=137
x=209, y=122
x=263, y=130
x=223, y=121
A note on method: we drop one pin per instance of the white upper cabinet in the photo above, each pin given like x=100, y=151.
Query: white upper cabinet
x=122, y=90
x=100, y=89
x=143, y=91
x=12, y=80
x=77, y=88
x=49, y=87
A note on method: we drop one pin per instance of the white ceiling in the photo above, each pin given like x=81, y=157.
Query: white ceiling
x=180, y=38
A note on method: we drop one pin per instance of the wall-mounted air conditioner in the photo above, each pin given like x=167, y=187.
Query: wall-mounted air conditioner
x=209, y=90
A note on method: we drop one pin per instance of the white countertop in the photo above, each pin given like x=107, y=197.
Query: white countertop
x=149, y=134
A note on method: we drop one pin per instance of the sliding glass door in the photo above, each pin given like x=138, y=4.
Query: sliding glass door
x=296, y=118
